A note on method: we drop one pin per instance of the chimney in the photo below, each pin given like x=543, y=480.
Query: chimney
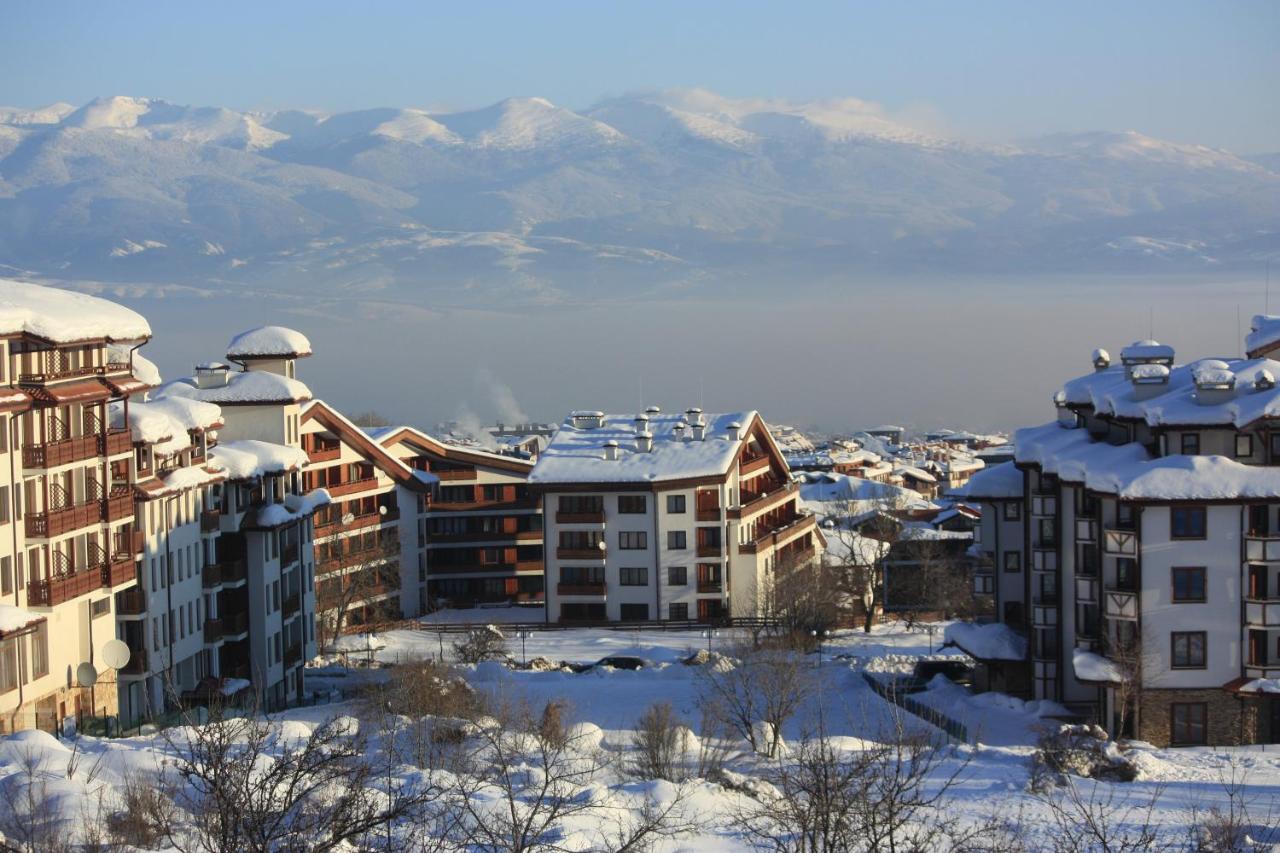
x=653, y=410
x=1149, y=380
x=212, y=374
x=1215, y=383
x=611, y=450
x=735, y=431
x=642, y=423
x=1101, y=359
x=644, y=441
x=698, y=431
x=678, y=430
x=1264, y=380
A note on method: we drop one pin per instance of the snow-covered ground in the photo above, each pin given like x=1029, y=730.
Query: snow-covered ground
x=994, y=770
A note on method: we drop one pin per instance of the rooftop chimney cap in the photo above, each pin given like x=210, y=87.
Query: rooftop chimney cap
x=1212, y=373
x=654, y=410
x=1101, y=359
x=1264, y=380
x=1059, y=398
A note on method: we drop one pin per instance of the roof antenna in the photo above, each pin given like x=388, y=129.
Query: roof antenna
x=1239, y=338
x=702, y=393
x=1151, y=323
x=1266, y=305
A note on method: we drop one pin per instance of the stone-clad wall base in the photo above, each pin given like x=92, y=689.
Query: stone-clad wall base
x=1232, y=720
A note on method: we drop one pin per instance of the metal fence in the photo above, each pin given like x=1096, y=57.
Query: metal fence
x=954, y=729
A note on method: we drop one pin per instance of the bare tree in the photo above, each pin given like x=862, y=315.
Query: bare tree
x=661, y=740
x=355, y=563
x=795, y=595
x=29, y=817
x=757, y=695
x=1086, y=816
x=1128, y=653
x=861, y=534
x=370, y=418
x=245, y=783
x=929, y=575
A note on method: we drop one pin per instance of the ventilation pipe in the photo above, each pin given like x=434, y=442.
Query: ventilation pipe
x=611, y=450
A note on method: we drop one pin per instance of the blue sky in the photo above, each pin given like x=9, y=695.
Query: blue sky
x=1188, y=71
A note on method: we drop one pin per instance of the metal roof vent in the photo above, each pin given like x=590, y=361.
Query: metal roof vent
x=587, y=419
x=1149, y=380
x=653, y=410
x=1264, y=380
x=644, y=441
x=1101, y=359
x=735, y=430
x=678, y=430
x=642, y=423
x=1215, y=382
x=611, y=450
x=694, y=416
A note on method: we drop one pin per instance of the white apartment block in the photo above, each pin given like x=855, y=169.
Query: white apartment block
x=666, y=516
x=1133, y=547
x=67, y=538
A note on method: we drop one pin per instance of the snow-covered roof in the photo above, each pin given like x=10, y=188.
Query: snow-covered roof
x=998, y=482
x=1264, y=333
x=1128, y=471
x=915, y=473
x=993, y=641
x=1146, y=350
x=254, y=387
x=16, y=618
x=1178, y=403
x=577, y=455
x=248, y=458
x=1090, y=666
x=268, y=342
x=64, y=316
x=143, y=368
x=165, y=422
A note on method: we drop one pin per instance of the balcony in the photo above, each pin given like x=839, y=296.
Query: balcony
x=712, y=550
x=119, y=572
x=766, y=501
x=324, y=451
x=43, y=525
x=1262, y=549
x=288, y=555
x=589, y=588
x=456, y=474
x=714, y=586
x=211, y=576
x=788, y=532
x=54, y=453
x=1262, y=667
x=292, y=656
x=292, y=604
x=210, y=520
x=212, y=631
x=50, y=592
x=1123, y=543
x=234, y=572
x=580, y=517
x=1262, y=613
x=137, y=664
x=581, y=553
x=236, y=625
x=131, y=602
x=751, y=466
x=116, y=441
x=708, y=513
x=1120, y=604
x=351, y=486
x=119, y=504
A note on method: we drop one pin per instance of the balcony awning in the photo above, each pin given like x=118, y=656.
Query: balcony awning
x=13, y=400
x=72, y=392
x=125, y=384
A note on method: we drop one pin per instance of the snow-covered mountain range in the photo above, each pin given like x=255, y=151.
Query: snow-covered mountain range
x=528, y=201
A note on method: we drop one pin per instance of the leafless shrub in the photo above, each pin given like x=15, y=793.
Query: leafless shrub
x=758, y=695
x=146, y=810
x=29, y=818
x=1077, y=750
x=1086, y=816
x=1236, y=824
x=481, y=645
x=661, y=740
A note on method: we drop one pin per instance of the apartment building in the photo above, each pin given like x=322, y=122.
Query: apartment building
x=1133, y=547
x=259, y=575
x=370, y=561
x=666, y=516
x=479, y=539
x=171, y=630
x=67, y=533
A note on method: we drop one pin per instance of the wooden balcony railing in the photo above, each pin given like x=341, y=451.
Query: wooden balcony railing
x=753, y=504
x=750, y=466
x=119, y=504
x=131, y=602
x=119, y=572
x=292, y=604
x=210, y=520
x=708, y=513
x=211, y=575
x=235, y=624
x=212, y=630
x=234, y=571
x=292, y=656
x=352, y=486
x=325, y=452
x=42, y=525
x=710, y=549
x=50, y=592
x=711, y=586
x=54, y=453
x=117, y=441
x=590, y=588
x=464, y=474
x=137, y=664
x=581, y=553
x=780, y=535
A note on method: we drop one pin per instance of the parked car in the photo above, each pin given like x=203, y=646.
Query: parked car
x=622, y=662
x=959, y=671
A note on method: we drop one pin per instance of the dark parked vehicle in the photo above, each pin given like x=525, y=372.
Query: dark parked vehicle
x=622, y=662
x=959, y=671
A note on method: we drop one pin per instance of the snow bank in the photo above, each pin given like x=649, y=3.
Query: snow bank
x=64, y=316
x=994, y=641
x=1090, y=666
x=268, y=341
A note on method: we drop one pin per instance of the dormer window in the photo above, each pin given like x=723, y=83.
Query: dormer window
x=1191, y=444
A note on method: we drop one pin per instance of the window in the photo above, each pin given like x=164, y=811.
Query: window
x=456, y=494
x=633, y=577
x=1013, y=561
x=634, y=613
x=1244, y=446
x=1188, y=583
x=6, y=575
x=678, y=612
x=580, y=540
x=581, y=574
x=633, y=540
x=4, y=504
x=101, y=607
x=581, y=503
x=40, y=651
x=1191, y=444
x=633, y=504
x=1187, y=522
x=8, y=665
x=1188, y=723
x=676, y=540
x=675, y=504
x=1258, y=520
x=1012, y=511
x=1188, y=649
x=677, y=575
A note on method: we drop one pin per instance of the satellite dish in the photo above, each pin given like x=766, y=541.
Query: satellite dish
x=115, y=653
x=86, y=674
x=348, y=518
x=382, y=510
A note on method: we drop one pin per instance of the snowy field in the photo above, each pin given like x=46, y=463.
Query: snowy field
x=85, y=776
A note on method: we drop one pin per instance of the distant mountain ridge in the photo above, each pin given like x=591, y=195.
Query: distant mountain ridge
x=526, y=201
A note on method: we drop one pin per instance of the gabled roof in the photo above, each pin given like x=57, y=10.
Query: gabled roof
x=390, y=436
x=338, y=423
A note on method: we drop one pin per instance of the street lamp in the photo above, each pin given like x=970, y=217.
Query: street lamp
x=709, y=634
x=819, y=636
x=524, y=656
